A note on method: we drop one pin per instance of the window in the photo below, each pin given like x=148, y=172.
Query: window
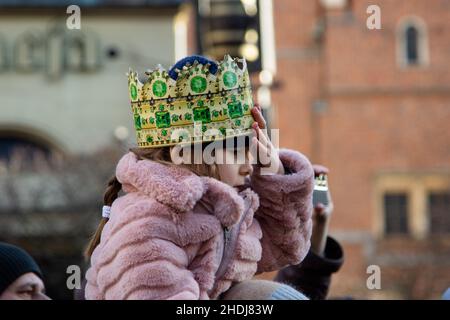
x=396, y=213
x=412, y=44
x=12, y=147
x=439, y=212
x=414, y=203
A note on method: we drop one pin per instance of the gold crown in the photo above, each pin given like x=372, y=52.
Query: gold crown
x=197, y=107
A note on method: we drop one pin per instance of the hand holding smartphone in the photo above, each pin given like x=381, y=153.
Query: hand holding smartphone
x=323, y=207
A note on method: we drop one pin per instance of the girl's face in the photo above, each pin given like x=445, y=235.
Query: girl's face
x=235, y=172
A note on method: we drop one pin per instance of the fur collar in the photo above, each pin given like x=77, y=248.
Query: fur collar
x=180, y=189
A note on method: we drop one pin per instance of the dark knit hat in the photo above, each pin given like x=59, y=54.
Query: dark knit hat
x=14, y=262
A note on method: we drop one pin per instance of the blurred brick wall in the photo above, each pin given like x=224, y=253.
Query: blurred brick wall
x=344, y=101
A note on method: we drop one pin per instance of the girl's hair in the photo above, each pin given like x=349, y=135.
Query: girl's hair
x=111, y=194
x=160, y=155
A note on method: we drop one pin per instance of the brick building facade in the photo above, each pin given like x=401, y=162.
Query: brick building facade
x=374, y=106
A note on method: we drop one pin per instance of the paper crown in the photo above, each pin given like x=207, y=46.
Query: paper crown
x=196, y=107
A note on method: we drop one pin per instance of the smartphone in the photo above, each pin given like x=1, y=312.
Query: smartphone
x=320, y=193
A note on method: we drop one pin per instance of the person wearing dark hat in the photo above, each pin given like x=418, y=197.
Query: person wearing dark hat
x=20, y=276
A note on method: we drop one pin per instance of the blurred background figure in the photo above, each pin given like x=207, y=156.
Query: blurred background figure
x=20, y=276
x=373, y=104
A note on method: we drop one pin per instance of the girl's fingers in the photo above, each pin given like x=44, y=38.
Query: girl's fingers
x=319, y=169
x=262, y=136
x=319, y=208
x=263, y=154
x=260, y=121
x=257, y=115
x=255, y=127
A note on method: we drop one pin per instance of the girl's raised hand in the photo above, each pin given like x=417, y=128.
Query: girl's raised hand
x=267, y=154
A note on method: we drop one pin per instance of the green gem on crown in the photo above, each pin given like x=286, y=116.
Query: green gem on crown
x=229, y=79
x=162, y=119
x=235, y=109
x=159, y=88
x=198, y=84
x=223, y=130
x=133, y=91
x=137, y=122
x=202, y=114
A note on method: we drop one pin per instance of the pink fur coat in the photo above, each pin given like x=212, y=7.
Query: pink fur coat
x=175, y=235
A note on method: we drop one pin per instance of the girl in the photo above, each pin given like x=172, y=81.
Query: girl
x=193, y=231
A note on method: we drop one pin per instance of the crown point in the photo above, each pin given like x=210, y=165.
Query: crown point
x=206, y=68
x=129, y=73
